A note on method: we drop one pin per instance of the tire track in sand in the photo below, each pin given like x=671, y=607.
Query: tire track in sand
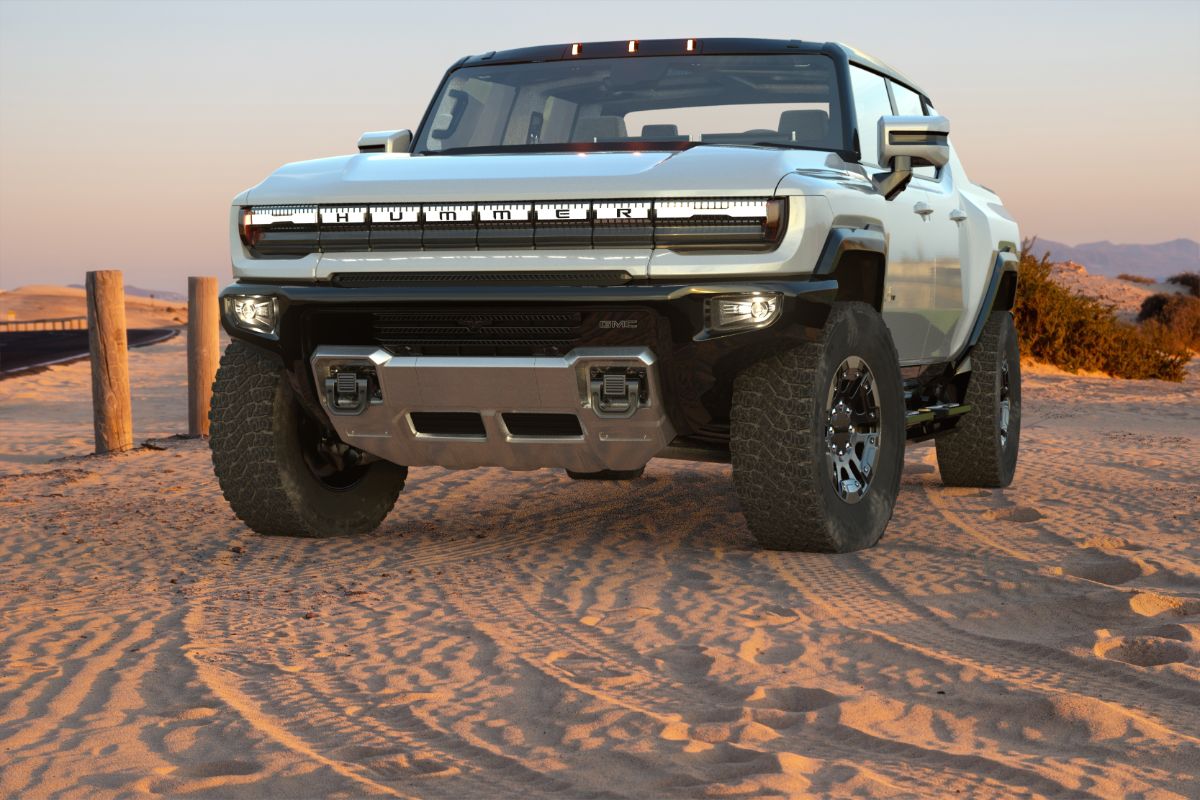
x=854, y=594
x=318, y=713
x=641, y=688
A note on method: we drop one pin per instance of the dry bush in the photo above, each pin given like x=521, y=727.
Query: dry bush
x=1125, y=276
x=1079, y=333
x=1174, y=317
x=1190, y=280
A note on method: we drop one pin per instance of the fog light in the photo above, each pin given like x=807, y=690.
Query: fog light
x=253, y=312
x=734, y=312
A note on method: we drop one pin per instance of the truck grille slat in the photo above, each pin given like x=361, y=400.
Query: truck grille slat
x=477, y=332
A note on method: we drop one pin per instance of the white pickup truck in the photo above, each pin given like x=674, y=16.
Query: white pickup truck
x=590, y=255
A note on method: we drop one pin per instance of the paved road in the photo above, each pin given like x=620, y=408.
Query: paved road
x=23, y=350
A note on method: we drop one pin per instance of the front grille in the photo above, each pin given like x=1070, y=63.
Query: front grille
x=369, y=280
x=477, y=332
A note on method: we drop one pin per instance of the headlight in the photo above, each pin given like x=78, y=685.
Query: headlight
x=740, y=312
x=252, y=312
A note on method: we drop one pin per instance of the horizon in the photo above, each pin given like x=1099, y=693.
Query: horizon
x=138, y=123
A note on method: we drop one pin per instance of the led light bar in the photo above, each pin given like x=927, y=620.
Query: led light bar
x=395, y=214
x=742, y=223
x=617, y=212
x=343, y=215
x=690, y=209
x=562, y=212
x=505, y=212
x=294, y=215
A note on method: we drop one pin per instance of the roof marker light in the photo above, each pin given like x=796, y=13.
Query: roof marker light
x=633, y=45
x=576, y=49
x=691, y=45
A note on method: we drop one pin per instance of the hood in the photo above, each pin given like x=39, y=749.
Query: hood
x=379, y=177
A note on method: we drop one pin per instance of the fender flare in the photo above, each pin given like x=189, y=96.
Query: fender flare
x=1001, y=291
x=843, y=256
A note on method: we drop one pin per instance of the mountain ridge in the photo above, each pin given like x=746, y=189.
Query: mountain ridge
x=1159, y=260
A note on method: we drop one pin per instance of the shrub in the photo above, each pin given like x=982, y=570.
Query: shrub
x=1175, y=317
x=1190, y=280
x=1074, y=332
x=1152, y=307
x=1125, y=276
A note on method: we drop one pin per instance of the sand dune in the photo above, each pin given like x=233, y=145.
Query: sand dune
x=1124, y=297
x=55, y=302
x=524, y=635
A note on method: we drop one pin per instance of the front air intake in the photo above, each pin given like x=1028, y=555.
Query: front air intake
x=543, y=425
x=448, y=423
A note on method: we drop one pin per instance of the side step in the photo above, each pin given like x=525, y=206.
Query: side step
x=925, y=422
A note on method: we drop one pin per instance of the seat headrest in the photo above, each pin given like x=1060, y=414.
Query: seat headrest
x=591, y=129
x=659, y=131
x=805, y=126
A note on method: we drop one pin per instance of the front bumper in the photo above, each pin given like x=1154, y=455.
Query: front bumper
x=693, y=369
x=502, y=411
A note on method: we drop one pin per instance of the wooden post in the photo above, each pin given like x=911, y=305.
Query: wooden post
x=204, y=350
x=108, y=343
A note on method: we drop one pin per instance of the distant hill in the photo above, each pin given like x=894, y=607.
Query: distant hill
x=158, y=294
x=1105, y=258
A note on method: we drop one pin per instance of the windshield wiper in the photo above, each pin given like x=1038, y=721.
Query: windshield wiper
x=791, y=146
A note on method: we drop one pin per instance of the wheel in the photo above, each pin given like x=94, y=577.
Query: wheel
x=279, y=470
x=817, y=437
x=607, y=474
x=981, y=450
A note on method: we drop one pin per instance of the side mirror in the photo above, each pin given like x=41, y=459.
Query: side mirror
x=907, y=142
x=385, y=141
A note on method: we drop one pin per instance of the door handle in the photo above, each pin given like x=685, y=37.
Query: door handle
x=923, y=209
x=958, y=215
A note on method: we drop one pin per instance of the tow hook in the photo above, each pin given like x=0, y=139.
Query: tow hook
x=617, y=391
x=348, y=390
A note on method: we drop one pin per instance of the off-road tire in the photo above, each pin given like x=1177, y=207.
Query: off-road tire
x=778, y=443
x=607, y=474
x=257, y=456
x=972, y=454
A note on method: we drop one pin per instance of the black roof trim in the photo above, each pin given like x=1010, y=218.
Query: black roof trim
x=678, y=47
x=645, y=47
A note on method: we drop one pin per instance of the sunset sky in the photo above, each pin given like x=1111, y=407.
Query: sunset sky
x=126, y=128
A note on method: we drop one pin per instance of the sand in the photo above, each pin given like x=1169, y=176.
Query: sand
x=1124, y=297
x=520, y=634
x=56, y=302
x=48, y=413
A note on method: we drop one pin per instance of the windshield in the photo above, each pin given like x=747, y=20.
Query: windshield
x=666, y=102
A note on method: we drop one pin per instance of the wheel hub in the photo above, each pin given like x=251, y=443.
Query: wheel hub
x=852, y=429
x=335, y=464
x=1005, y=403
